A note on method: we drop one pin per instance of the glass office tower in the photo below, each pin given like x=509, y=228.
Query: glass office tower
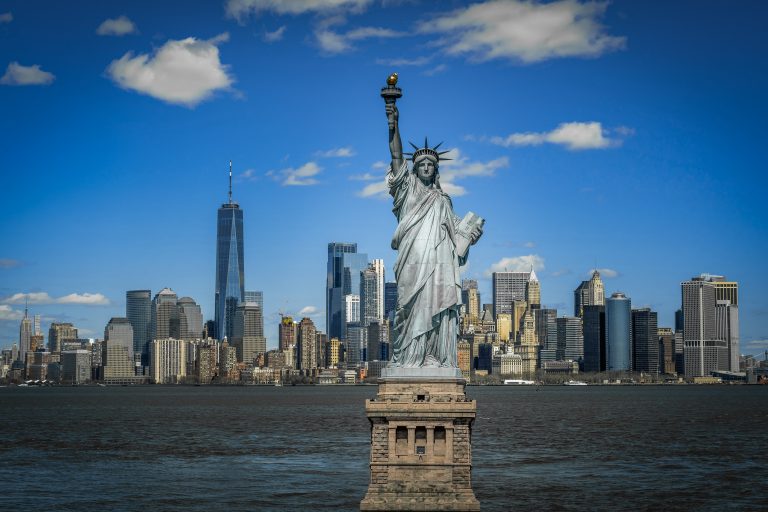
x=230, y=285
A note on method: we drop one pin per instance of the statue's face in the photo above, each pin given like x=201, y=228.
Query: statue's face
x=426, y=170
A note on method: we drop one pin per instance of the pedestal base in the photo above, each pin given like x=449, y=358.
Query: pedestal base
x=421, y=456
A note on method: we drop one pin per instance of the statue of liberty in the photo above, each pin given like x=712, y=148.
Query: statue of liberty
x=432, y=242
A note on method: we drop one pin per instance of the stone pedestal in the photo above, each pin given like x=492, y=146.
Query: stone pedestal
x=421, y=454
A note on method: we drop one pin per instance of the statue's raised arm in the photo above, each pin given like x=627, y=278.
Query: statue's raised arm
x=390, y=95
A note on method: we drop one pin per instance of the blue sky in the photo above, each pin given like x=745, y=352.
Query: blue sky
x=625, y=136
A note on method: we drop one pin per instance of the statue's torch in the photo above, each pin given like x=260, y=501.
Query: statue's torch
x=391, y=92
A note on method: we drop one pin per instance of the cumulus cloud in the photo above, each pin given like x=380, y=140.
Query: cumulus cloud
x=89, y=299
x=241, y=9
x=344, y=152
x=400, y=62
x=517, y=264
x=116, y=27
x=458, y=168
x=304, y=175
x=6, y=17
x=9, y=263
x=524, y=30
x=604, y=272
x=573, y=136
x=183, y=72
x=8, y=313
x=16, y=74
x=308, y=311
x=248, y=175
x=274, y=36
x=529, y=245
x=365, y=177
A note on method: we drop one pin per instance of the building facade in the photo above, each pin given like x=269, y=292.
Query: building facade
x=618, y=333
x=230, y=271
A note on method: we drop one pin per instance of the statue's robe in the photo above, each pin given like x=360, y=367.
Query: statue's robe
x=427, y=273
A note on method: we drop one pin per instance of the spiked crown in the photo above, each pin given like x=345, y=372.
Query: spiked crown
x=426, y=150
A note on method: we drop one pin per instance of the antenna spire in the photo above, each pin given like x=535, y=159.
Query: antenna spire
x=230, y=182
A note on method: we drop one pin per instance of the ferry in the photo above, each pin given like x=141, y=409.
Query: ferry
x=518, y=382
x=575, y=383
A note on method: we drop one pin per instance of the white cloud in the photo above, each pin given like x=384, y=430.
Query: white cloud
x=365, y=177
x=9, y=263
x=16, y=74
x=116, y=27
x=529, y=245
x=7, y=313
x=6, y=17
x=517, y=264
x=605, y=272
x=573, y=136
x=277, y=35
x=308, y=311
x=344, y=152
x=335, y=42
x=525, y=30
x=379, y=164
x=184, y=72
x=241, y=9
x=248, y=175
x=561, y=272
x=89, y=299
x=304, y=175
x=435, y=70
x=418, y=61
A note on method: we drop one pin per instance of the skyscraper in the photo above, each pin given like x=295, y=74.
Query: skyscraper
x=570, y=338
x=190, y=319
x=618, y=333
x=390, y=298
x=164, y=315
x=286, y=333
x=507, y=288
x=589, y=293
x=470, y=297
x=645, y=341
x=372, y=293
x=533, y=291
x=727, y=324
x=703, y=351
x=306, y=340
x=343, y=278
x=138, y=310
x=230, y=275
x=25, y=333
x=117, y=350
x=594, y=338
x=248, y=337
x=546, y=333
x=59, y=333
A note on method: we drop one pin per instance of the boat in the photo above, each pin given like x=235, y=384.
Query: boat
x=575, y=383
x=518, y=382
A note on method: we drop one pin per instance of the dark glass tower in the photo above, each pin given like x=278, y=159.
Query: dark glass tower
x=138, y=310
x=230, y=285
x=344, y=267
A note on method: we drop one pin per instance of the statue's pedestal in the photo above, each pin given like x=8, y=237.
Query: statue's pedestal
x=421, y=454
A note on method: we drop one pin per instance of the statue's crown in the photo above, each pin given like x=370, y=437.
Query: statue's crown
x=426, y=150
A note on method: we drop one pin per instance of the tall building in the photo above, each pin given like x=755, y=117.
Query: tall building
x=75, y=366
x=306, y=340
x=117, y=350
x=390, y=298
x=138, y=310
x=190, y=319
x=230, y=274
x=727, y=325
x=528, y=346
x=703, y=351
x=589, y=293
x=504, y=327
x=168, y=360
x=533, y=291
x=25, y=333
x=470, y=297
x=357, y=337
x=59, y=333
x=343, y=278
x=594, y=338
x=645, y=341
x=546, y=333
x=164, y=318
x=286, y=333
x=248, y=336
x=666, y=350
x=618, y=333
x=507, y=288
x=372, y=293
x=570, y=338
x=351, y=309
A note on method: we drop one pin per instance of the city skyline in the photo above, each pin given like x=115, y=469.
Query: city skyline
x=92, y=210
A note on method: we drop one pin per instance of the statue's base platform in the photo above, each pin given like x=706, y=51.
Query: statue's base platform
x=421, y=456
